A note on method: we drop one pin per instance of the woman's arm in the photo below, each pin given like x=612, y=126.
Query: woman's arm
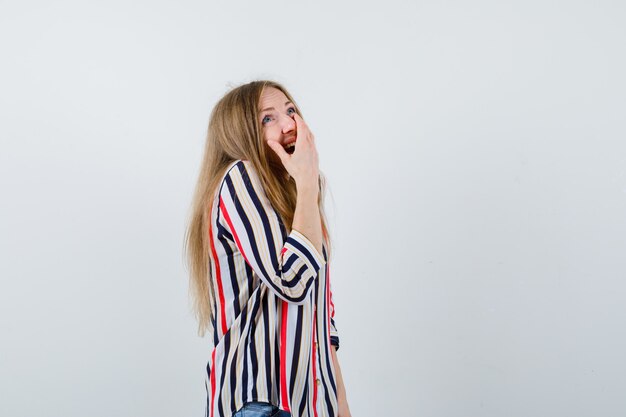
x=344, y=410
x=247, y=219
x=307, y=217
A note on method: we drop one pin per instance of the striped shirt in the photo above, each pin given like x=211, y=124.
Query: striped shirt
x=273, y=324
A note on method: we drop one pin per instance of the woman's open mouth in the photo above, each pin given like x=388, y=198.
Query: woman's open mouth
x=290, y=148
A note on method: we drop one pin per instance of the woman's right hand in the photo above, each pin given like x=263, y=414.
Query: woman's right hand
x=302, y=164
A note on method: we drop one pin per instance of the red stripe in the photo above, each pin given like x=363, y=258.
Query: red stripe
x=232, y=229
x=218, y=278
x=283, y=359
x=212, y=383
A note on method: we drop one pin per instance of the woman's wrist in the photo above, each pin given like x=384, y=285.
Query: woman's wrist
x=307, y=187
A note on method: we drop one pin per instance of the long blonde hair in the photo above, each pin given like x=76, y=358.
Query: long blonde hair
x=234, y=132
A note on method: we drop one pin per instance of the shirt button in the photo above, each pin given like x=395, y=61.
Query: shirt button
x=316, y=345
x=318, y=381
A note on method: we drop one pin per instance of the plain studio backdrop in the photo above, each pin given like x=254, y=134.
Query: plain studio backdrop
x=476, y=155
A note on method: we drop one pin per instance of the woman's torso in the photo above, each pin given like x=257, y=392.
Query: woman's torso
x=265, y=348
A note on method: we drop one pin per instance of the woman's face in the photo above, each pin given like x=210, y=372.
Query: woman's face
x=276, y=117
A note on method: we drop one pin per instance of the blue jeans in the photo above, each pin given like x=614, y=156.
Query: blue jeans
x=261, y=409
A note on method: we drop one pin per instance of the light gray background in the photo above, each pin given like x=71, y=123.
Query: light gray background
x=477, y=160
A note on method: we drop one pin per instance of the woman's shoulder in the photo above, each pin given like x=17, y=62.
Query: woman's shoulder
x=241, y=178
x=230, y=176
x=241, y=165
x=240, y=171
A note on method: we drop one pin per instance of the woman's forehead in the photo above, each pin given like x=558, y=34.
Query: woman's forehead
x=272, y=94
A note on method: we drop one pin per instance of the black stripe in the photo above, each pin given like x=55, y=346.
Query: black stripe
x=249, y=277
x=267, y=345
x=305, y=395
x=269, y=238
x=234, y=282
x=290, y=284
x=296, y=351
x=244, y=376
x=305, y=251
x=276, y=357
x=250, y=342
x=222, y=231
x=208, y=399
x=233, y=379
x=223, y=372
x=216, y=338
x=288, y=263
x=327, y=398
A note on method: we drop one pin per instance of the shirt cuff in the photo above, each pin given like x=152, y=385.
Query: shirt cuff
x=300, y=243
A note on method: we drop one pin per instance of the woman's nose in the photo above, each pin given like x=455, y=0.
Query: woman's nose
x=289, y=124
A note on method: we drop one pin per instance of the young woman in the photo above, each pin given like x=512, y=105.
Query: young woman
x=259, y=250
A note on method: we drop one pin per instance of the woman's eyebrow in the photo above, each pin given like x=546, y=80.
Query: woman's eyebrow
x=272, y=108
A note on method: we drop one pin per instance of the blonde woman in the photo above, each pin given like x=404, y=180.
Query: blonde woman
x=258, y=249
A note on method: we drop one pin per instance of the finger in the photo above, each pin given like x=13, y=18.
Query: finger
x=304, y=124
x=299, y=129
x=302, y=128
x=278, y=149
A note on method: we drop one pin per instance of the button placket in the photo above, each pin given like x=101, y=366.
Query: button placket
x=318, y=381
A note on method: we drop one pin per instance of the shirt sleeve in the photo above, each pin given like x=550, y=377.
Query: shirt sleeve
x=288, y=267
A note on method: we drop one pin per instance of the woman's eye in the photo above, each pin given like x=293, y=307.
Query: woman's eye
x=267, y=117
